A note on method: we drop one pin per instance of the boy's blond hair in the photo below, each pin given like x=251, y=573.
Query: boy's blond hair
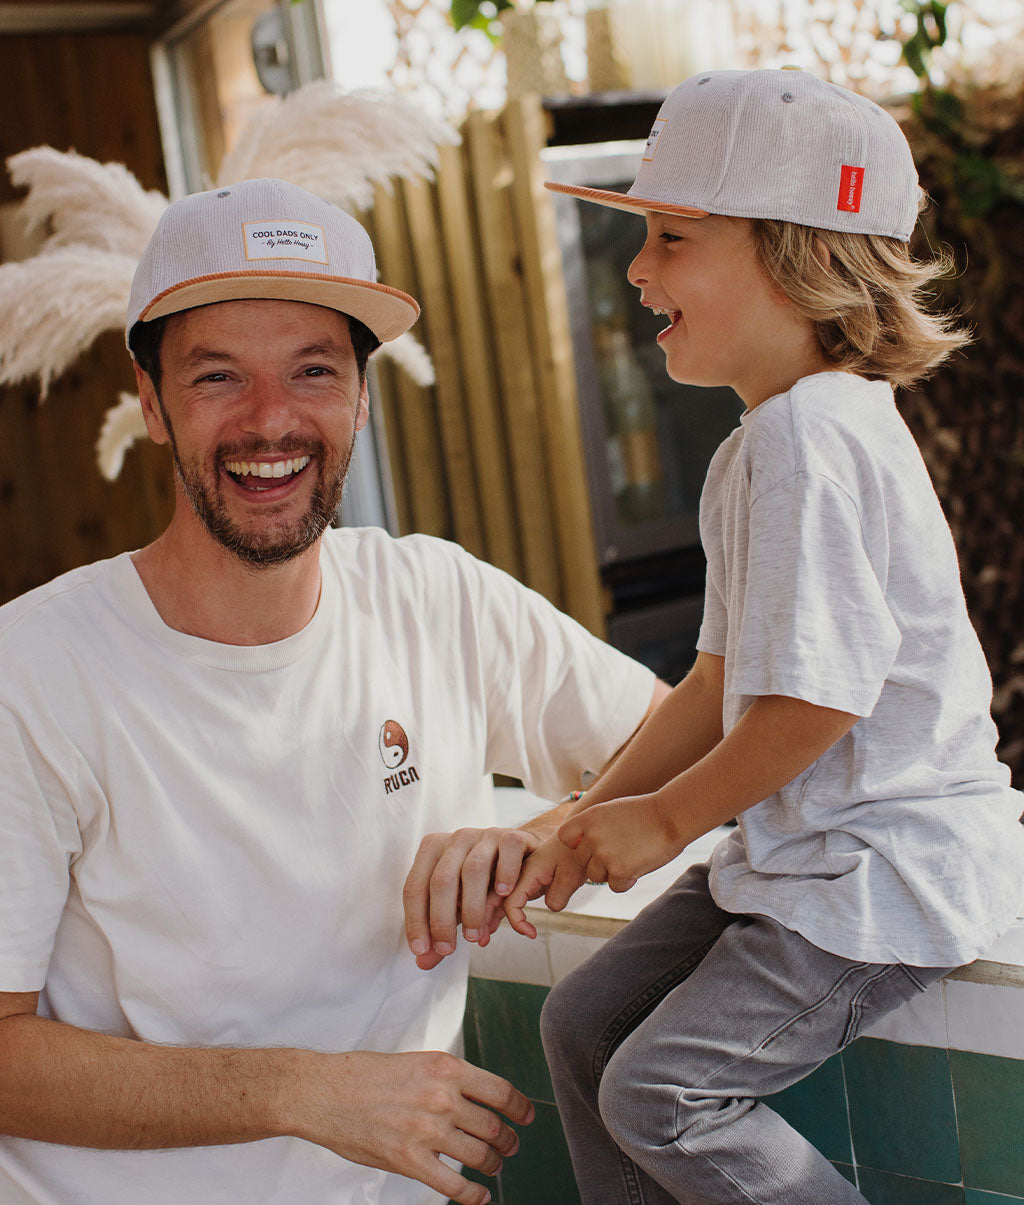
x=863, y=292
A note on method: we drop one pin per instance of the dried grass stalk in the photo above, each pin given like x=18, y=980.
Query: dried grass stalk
x=123, y=424
x=81, y=202
x=337, y=144
x=54, y=306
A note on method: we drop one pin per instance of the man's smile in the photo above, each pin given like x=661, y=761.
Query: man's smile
x=250, y=474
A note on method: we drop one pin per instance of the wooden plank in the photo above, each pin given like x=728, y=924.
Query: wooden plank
x=475, y=348
x=415, y=407
x=57, y=510
x=551, y=342
x=436, y=327
x=130, y=132
x=29, y=506
x=506, y=304
x=78, y=67
x=385, y=397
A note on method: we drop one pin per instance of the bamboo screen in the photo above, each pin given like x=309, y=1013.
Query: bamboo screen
x=490, y=456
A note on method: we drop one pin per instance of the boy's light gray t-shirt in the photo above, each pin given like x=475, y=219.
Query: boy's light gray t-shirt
x=832, y=577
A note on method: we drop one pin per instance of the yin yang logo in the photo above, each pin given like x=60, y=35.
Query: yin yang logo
x=393, y=744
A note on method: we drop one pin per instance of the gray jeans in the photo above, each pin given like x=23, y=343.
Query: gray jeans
x=661, y=1042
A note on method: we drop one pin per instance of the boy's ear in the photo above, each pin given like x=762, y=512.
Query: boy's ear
x=822, y=253
x=151, y=411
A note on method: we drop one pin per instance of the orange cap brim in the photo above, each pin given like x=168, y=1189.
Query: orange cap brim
x=621, y=200
x=387, y=311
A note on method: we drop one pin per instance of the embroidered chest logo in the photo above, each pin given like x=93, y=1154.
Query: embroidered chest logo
x=394, y=752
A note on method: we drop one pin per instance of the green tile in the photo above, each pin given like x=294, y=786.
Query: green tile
x=901, y=1109
x=816, y=1108
x=978, y=1196
x=471, y=1052
x=470, y=1032
x=540, y=1172
x=475, y=1177
x=845, y=1169
x=989, y=1095
x=508, y=1028
x=882, y=1188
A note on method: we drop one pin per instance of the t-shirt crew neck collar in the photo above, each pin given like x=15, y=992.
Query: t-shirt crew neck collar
x=134, y=599
x=751, y=413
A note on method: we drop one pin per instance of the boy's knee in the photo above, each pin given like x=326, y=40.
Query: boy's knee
x=643, y=1109
x=556, y=1015
x=629, y=1103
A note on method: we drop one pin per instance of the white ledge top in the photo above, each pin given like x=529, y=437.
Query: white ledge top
x=595, y=911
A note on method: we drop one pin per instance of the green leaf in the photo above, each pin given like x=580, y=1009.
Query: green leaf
x=915, y=55
x=469, y=13
x=983, y=184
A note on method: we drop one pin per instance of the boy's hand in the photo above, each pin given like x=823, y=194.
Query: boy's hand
x=552, y=871
x=618, y=841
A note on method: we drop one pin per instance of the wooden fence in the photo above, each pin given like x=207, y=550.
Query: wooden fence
x=491, y=455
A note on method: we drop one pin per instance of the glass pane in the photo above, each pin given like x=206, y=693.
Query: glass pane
x=217, y=88
x=660, y=435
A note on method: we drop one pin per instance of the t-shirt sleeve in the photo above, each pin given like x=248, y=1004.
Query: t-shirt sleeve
x=559, y=701
x=714, y=627
x=40, y=833
x=815, y=624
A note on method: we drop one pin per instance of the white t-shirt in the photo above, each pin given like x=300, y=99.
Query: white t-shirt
x=832, y=577
x=205, y=844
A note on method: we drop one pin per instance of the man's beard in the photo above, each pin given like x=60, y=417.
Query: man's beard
x=263, y=548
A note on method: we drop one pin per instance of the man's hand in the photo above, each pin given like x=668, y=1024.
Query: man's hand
x=400, y=1112
x=618, y=841
x=552, y=871
x=397, y=1112
x=460, y=877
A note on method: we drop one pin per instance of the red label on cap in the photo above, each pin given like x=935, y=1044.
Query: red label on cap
x=850, y=181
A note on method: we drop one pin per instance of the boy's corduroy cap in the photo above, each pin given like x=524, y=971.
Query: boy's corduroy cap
x=773, y=144
x=264, y=239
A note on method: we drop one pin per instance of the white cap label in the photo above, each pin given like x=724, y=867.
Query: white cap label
x=652, y=139
x=284, y=239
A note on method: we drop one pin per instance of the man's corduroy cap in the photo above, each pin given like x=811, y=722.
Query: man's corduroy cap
x=264, y=239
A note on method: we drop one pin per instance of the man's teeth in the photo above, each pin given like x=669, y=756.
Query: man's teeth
x=266, y=468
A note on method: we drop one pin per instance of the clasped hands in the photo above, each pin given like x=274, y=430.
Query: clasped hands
x=476, y=877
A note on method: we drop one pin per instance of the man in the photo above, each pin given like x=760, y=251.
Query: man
x=221, y=753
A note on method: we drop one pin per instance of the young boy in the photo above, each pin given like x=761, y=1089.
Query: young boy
x=839, y=706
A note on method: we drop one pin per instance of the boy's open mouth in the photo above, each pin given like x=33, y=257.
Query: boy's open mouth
x=672, y=315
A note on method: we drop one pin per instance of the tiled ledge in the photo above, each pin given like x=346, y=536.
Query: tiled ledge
x=978, y=1008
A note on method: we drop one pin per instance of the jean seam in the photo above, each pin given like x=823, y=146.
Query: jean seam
x=921, y=987
x=718, y=1168
x=813, y=1008
x=785, y=1027
x=636, y=1008
x=857, y=1003
x=638, y=1005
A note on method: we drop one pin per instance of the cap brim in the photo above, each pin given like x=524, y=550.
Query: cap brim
x=622, y=200
x=388, y=312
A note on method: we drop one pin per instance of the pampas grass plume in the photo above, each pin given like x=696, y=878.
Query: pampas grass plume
x=123, y=424
x=337, y=144
x=54, y=306
x=408, y=353
x=81, y=202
